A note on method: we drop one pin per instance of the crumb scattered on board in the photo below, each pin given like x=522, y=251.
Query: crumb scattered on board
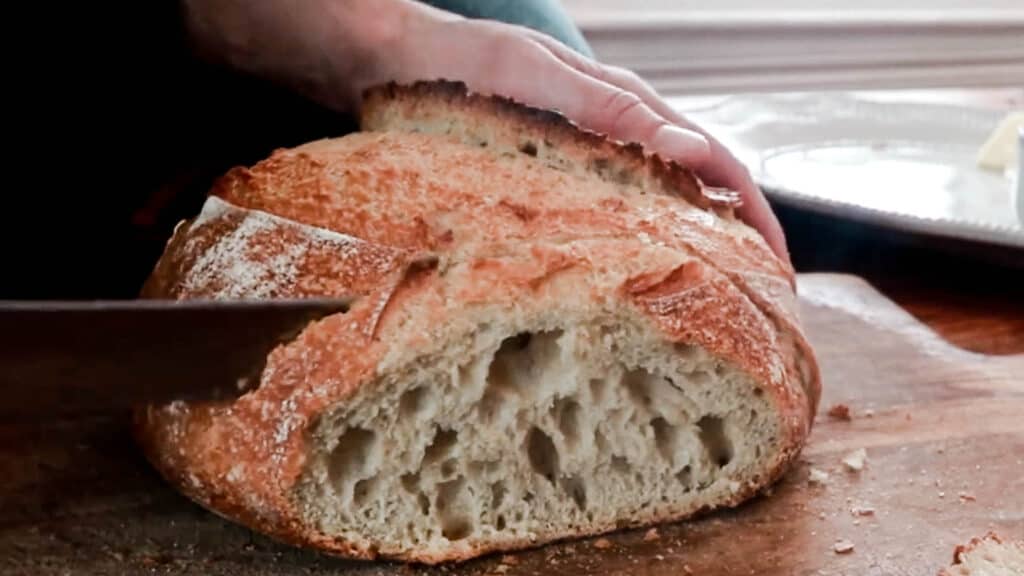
x=817, y=476
x=965, y=497
x=854, y=461
x=840, y=412
x=862, y=510
x=602, y=543
x=652, y=535
x=843, y=546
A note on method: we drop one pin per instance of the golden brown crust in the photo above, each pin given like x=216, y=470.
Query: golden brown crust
x=610, y=159
x=449, y=107
x=356, y=215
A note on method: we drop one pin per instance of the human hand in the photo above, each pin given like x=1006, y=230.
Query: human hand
x=525, y=65
x=335, y=50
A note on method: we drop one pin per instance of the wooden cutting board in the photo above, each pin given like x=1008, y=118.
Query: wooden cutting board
x=943, y=430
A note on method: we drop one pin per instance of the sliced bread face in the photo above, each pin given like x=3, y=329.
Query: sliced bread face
x=536, y=353
x=568, y=426
x=990, y=555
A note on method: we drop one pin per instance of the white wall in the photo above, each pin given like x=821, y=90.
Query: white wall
x=702, y=46
x=579, y=6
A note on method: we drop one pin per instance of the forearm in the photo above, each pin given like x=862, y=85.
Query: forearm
x=329, y=50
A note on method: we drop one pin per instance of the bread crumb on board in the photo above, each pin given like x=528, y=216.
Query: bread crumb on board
x=855, y=461
x=966, y=497
x=652, y=535
x=840, y=412
x=602, y=543
x=862, y=510
x=842, y=546
x=819, y=477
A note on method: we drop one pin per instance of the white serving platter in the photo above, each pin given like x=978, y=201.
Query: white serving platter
x=905, y=165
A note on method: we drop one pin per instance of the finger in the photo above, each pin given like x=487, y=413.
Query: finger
x=614, y=75
x=722, y=167
x=535, y=77
x=725, y=170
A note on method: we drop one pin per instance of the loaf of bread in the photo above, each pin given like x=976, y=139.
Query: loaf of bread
x=554, y=335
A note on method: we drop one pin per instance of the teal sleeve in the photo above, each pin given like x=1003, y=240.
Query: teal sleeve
x=547, y=16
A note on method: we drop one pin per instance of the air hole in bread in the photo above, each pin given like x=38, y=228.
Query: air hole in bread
x=665, y=438
x=479, y=470
x=457, y=528
x=567, y=412
x=598, y=390
x=528, y=148
x=449, y=468
x=454, y=509
x=351, y=457
x=364, y=491
x=620, y=464
x=716, y=442
x=576, y=489
x=415, y=402
x=410, y=482
x=542, y=454
x=600, y=442
x=599, y=166
x=441, y=446
x=686, y=351
x=604, y=169
x=498, y=492
x=519, y=366
x=639, y=386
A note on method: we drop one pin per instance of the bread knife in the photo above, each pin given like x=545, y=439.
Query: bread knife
x=102, y=356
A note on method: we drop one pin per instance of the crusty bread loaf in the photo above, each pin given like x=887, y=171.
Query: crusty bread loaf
x=555, y=335
x=990, y=555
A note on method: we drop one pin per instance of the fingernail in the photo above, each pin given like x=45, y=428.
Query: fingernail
x=684, y=146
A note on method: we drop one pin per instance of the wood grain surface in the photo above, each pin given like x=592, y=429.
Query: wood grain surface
x=942, y=428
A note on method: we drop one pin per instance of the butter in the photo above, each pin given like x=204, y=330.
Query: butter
x=1000, y=150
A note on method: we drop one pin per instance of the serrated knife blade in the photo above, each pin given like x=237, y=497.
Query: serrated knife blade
x=102, y=356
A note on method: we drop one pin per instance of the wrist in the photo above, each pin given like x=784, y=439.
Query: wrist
x=376, y=41
x=329, y=50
